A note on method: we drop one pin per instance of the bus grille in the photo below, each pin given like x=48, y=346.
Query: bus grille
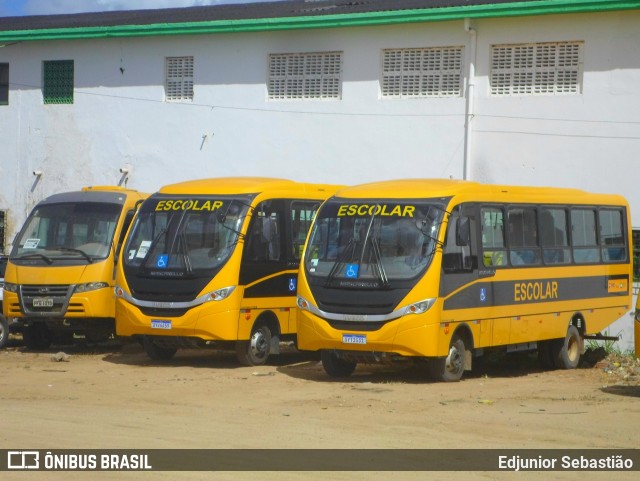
x=45, y=300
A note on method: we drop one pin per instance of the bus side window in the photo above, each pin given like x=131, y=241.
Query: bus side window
x=553, y=236
x=583, y=236
x=612, y=235
x=457, y=250
x=523, y=236
x=302, y=214
x=493, y=248
x=264, y=234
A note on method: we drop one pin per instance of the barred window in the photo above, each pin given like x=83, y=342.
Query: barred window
x=305, y=76
x=537, y=69
x=4, y=84
x=178, y=78
x=57, y=85
x=422, y=72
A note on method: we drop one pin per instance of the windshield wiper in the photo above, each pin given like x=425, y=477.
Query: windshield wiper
x=77, y=251
x=377, y=255
x=47, y=259
x=336, y=267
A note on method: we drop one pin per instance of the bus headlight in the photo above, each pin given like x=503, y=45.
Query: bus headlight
x=302, y=303
x=637, y=313
x=90, y=286
x=221, y=294
x=421, y=306
x=10, y=287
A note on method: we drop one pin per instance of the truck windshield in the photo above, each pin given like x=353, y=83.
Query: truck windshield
x=184, y=234
x=372, y=243
x=79, y=231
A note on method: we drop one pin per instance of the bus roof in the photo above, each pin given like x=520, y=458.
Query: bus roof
x=107, y=194
x=430, y=188
x=243, y=185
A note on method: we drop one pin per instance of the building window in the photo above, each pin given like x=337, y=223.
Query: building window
x=179, y=78
x=295, y=76
x=4, y=84
x=537, y=69
x=422, y=72
x=58, y=82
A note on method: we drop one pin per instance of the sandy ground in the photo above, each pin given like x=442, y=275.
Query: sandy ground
x=113, y=397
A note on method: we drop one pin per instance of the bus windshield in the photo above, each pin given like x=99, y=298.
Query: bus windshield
x=371, y=244
x=75, y=231
x=184, y=234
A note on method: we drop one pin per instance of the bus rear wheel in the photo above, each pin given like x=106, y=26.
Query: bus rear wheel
x=156, y=352
x=569, y=350
x=256, y=350
x=335, y=366
x=451, y=367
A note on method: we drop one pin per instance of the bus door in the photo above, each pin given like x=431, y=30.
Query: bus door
x=461, y=269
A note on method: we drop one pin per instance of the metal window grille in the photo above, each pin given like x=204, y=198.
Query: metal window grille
x=4, y=84
x=305, y=76
x=422, y=72
x=179, y=78
x=537, y=69
x=58, y=82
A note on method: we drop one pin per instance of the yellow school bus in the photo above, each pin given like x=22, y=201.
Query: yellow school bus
x=61, y=271
x=444, y=269
x=214, y=263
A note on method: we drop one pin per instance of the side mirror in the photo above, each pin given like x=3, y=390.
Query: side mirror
x=463, y=232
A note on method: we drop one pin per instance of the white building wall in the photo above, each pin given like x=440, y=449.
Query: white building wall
x=119, y=116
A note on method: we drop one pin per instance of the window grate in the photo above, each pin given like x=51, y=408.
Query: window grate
x=422, y=72
x=299, y=76
x=179, y=78
x=537, y=69
x=4, y=84
x=58, y=82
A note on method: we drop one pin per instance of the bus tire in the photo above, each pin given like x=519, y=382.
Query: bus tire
x=256, y=350
x=4, y=331
x=335, y=366
x=568, y=356
x=37, y=337
x=451, y=367
x=156, y=352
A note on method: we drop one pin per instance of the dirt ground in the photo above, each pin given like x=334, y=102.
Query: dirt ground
x=113, y=397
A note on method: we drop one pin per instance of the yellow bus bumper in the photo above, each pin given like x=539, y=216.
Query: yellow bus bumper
x=204, y=322
x=410, y=336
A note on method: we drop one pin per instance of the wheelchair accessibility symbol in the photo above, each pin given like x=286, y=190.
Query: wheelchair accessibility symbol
x=483, y=294
x=162, y=261
x=352, y=271
x=292, y=284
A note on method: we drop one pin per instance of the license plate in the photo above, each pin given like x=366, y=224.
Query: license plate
x=160, y=324
x=42, y=302
x=354, y=339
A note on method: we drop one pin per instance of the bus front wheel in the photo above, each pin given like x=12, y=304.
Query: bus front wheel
x=335, y=366
x=450, y=368
x=156, y=352
x=255, y=351
x=569, y=349
x=4, y=331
